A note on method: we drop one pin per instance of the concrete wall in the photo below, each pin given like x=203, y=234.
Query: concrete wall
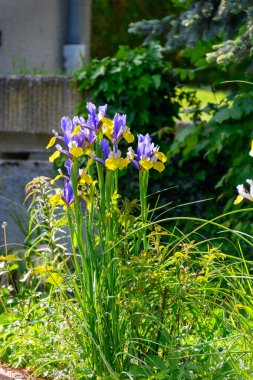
x=33, y=34
x=30, y=107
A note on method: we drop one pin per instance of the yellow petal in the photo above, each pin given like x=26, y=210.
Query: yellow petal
x=112, y=163
x=107, y=122
x=51, y=142
x=128, y=137
x=87, y=151
x=76, y=130
x=85, y=178
x=161, y=156
x=54, y=156
x=76, y=152
x=108, y=131
x=55, y=179
x=158, y=166
x=123, y=162
x=146, y=164
x=238, y=200
x=251, y=151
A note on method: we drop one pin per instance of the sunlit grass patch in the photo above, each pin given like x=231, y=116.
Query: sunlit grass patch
x=201, y=98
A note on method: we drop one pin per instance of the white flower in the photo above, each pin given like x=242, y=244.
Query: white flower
x=250, y=182
x=243, y=193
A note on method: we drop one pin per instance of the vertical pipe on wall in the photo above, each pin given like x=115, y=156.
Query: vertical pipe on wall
x=75, y=50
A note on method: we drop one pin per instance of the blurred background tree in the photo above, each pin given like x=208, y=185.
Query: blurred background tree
x=111, y=18
x=206, y=32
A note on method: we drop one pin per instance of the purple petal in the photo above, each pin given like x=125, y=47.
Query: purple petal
x=136, y=164
x=68, y=193
x=91, y=107
x=67, y=128
x=105, y=147
x=78, y=120
x=68, y=165
x=119, y=124
x=99, y=160
x=145, y=146
x=102, y=110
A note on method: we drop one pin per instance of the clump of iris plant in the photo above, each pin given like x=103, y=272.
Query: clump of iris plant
x=94, y=150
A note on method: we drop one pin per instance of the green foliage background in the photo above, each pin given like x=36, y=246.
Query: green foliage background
x=203, y=43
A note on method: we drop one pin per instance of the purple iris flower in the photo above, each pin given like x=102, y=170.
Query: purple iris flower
x=145, y=149
x=68, y=128
x=68, y=196
x=89, y=133
x=93, y=117
x=145, y=146
x=119, y=127
x=81, y=139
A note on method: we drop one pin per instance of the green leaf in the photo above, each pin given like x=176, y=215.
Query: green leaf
x=186, y=131
x=226, y=113
x=222, y=115
x=13, y=267
x=236, y=113
x=157, y=80
x=99, y=72
x=138, y=371
x=156, y=361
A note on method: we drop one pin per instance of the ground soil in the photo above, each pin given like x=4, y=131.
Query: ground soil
x=7, y=373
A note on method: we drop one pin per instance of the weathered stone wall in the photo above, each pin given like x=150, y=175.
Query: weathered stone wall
x=30, y=107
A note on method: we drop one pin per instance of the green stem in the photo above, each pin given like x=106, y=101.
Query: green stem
x=109, y=189
x=116, y=176
x=143, y=183
x=101, y=181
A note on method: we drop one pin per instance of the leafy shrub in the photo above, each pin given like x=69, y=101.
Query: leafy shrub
x=137, y=82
